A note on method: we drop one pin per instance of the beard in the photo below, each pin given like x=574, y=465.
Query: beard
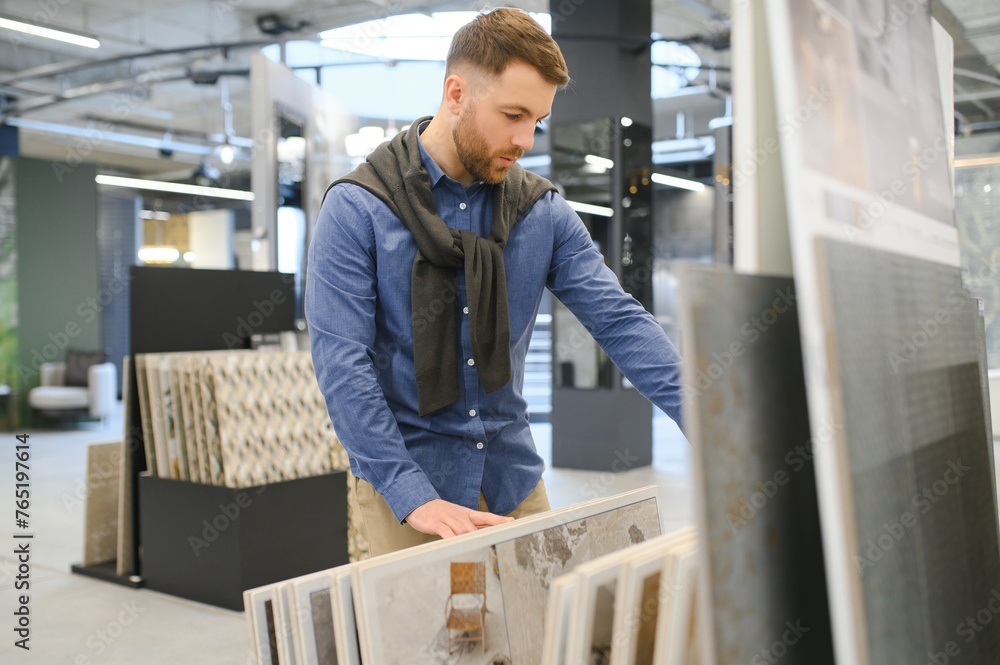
x=474, y=152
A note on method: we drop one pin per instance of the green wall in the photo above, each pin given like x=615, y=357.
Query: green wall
x=8, y=275
x=57, y=282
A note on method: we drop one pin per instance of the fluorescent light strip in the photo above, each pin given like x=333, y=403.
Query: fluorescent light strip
x=98, y=136
x=174, y=187
x=534, y=161
x=672, y=181
x=49, y=33
x=982, y=160
x=591, y=209
x=157, y=254
x=599, y=161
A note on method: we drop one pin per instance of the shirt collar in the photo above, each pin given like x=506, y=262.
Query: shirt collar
x=433, y=170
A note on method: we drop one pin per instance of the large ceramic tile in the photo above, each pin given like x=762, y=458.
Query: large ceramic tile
x=917, y=454
x=758, y=513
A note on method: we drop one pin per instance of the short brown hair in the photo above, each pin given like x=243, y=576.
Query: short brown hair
x=495, y=39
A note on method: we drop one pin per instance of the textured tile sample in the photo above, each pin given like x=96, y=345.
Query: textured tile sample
x=272, y=418
x=745, y=409
x=905, y=369
x=529, y=564
x=322, y=619
x=101, y=518
x=397, y=595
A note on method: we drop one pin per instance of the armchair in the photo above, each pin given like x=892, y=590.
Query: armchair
x=54, y=399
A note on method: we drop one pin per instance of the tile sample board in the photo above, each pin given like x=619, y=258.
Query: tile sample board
x=562, y=598
x=101, y=517
x=125, y=547
x=345, y=627
x=597, y=608
x=527, y=564
x=642, y=589
x=272, y=419
x=745, y=408
x=398, y=596
x=312, y=603
x=922, y=511
x=145, y=412
x=864, y=150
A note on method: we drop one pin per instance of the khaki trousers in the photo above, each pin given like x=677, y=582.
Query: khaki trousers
x=384, y=533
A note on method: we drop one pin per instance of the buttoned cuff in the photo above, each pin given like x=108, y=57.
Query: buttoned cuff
x=408, y=492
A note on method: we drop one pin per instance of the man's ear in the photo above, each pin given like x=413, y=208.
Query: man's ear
x=456, y=92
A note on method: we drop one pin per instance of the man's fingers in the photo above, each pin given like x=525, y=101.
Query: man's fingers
x=447, y=519
x=481, y=519
x=462, y=525
x=444, y=531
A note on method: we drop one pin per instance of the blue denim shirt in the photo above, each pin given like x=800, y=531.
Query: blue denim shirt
x=358, y=307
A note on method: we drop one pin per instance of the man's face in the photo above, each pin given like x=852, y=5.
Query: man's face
x=497, y=124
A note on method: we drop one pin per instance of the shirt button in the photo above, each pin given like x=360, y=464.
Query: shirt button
x=461, y=206
x=471, y=362
x=479, y=446
x=472, y=413
x=465, y=310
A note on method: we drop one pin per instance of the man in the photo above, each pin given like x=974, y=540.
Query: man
x=426, y=270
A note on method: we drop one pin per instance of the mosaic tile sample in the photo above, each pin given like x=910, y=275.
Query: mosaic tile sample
x=272, y=418
x=178, y=373
x=191, y=377
x=210, y=418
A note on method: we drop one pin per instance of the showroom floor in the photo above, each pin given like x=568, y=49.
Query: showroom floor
x=81, y=621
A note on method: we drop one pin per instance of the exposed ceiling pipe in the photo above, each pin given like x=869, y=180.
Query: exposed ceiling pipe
x=95, y=89
x=969, y=74
x=57, y=68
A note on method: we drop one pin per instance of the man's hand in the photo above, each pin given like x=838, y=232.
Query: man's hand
x=445, y=519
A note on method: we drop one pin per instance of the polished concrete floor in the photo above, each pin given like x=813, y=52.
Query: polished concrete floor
x=81, y=621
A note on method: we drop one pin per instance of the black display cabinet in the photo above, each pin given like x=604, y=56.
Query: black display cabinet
x=211, y=543
x=283, y=529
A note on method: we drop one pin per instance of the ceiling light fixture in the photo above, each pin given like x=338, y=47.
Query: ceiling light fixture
x=603, y=211
x=58, y=34
x=158, y=255
x=603, y=162
x=978, y=160
x=163, y=144
x=174, y=187
x=673, y=181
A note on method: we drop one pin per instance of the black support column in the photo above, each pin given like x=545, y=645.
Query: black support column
x=602, y=161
